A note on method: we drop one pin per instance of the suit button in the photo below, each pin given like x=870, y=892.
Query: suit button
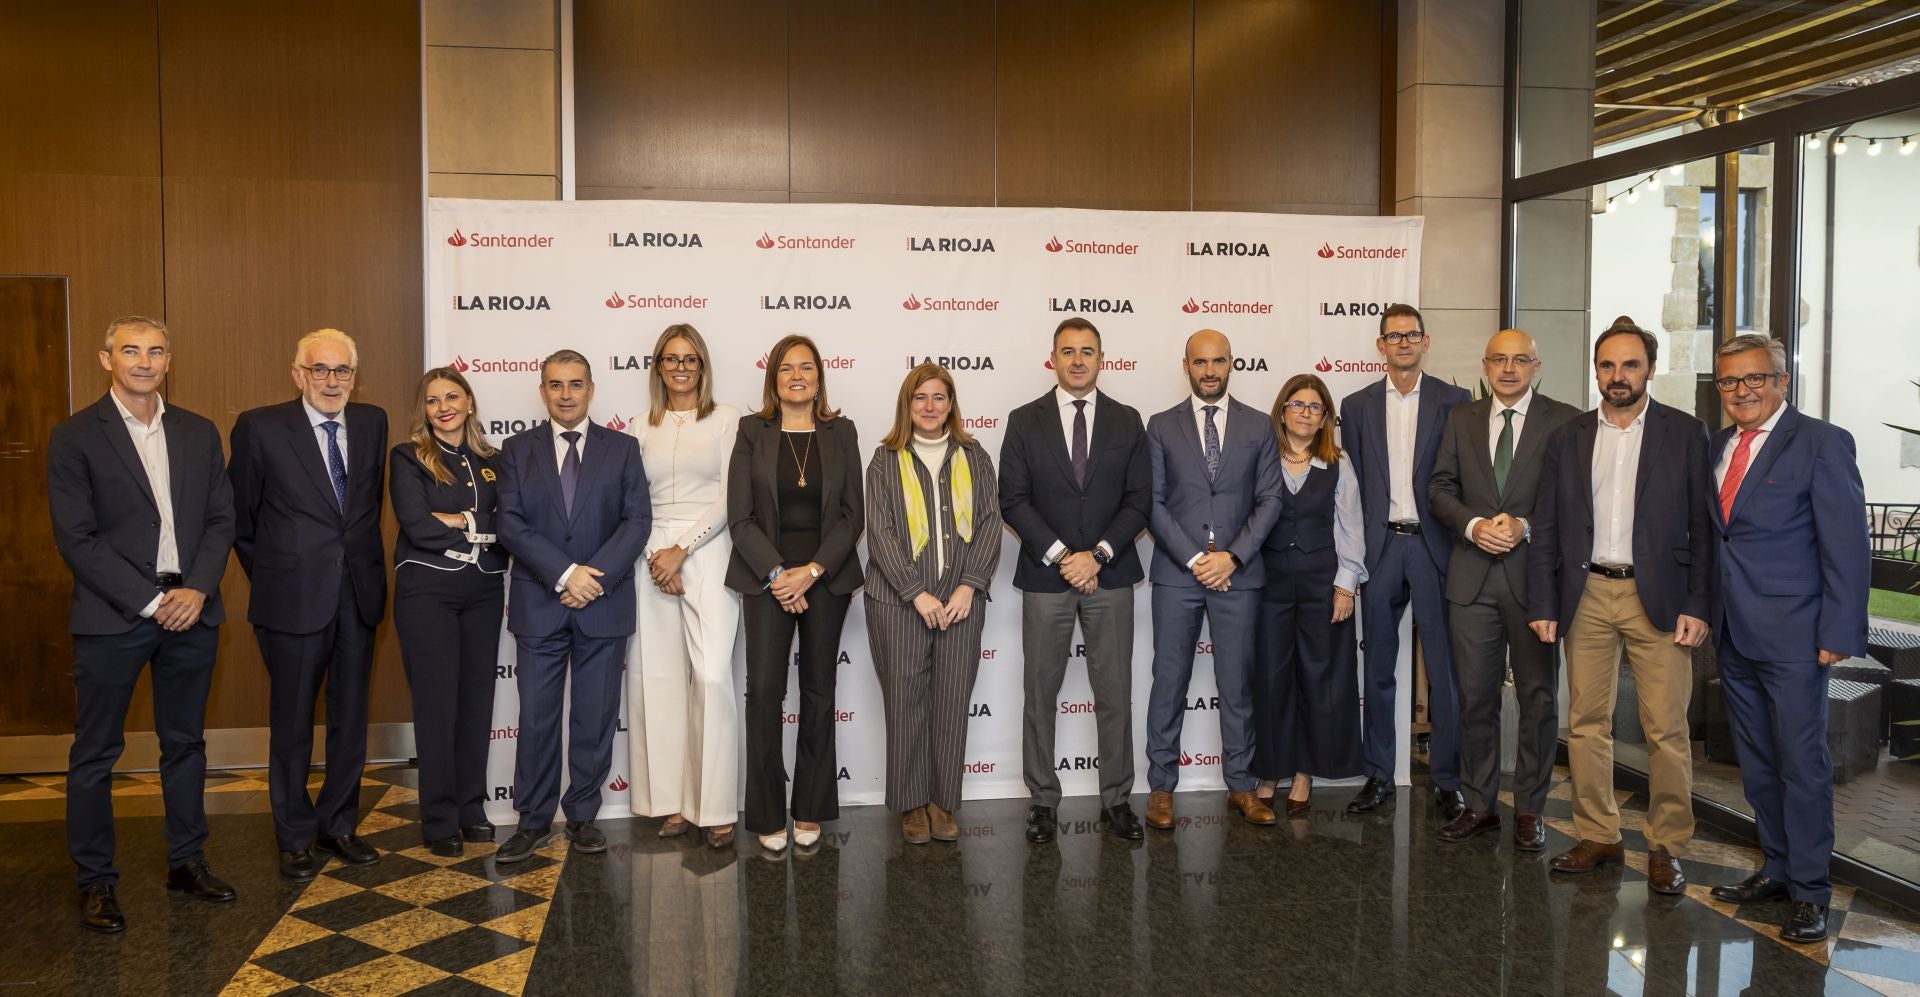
x=156, y=524
x=569, y=538
x=149, y=565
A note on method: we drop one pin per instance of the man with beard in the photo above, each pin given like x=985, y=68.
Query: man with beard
x=1621, y=556
x=1216, y=494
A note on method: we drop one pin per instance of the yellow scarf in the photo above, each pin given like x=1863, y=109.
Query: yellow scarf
x=917, y=527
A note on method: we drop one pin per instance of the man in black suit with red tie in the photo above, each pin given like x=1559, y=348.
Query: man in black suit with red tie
x=143, y=516
x=309, y=478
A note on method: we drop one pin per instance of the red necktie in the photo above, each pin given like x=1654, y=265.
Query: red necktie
x=1736, y=469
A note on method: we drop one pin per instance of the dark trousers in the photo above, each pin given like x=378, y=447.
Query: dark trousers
x=1177, y=613
x=1046, y=633
x=1487, y=633
x=770, y=633
x=105, y=669
x=926, y=687
x=1778, y=711
x=341, y=655
x=449, y=624
x=1306, y=696
x=1405, y=571
x=541, y=667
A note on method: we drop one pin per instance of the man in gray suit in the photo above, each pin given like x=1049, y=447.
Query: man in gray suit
x=1216, y=494
x=1483, y=488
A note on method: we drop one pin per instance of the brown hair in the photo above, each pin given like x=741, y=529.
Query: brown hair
x=1076, y=322
x=902, y=433
x=1398, y=310
x=426, y=446
x=565, y=356
x=770, y=391
x=657, y=378
x=1323, y=446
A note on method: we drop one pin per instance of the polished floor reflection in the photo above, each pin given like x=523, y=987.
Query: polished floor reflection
x=1332, y=904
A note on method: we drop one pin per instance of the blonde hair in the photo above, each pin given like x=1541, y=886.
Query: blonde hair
x=902, y=433
x=657, y=378
x=425, y=444
x=318, y=336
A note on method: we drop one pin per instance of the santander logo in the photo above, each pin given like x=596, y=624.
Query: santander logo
x=459, y=364
x=617, y=424
x=1053, y=245
x=764, y=242
x=457, y=239
x=1324, y=366
x=619, y=784
x=615, y=300
x=1326, y=251
x=912, y=303
x=1191, y=307
x=829, y=363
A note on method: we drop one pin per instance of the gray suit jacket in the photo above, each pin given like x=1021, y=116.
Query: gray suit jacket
x=1239, y=505
x=1462, y=489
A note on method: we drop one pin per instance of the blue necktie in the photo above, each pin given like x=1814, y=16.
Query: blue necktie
x=1213, y=442
x=336, y=464
x=570, y=468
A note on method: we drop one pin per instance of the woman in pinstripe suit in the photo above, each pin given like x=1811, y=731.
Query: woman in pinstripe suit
x=933, y=539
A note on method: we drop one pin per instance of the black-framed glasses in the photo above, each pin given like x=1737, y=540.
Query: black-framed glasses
x=1310, y=408
x=689, y=362
x=1754, y=382
x=1396, y=338
x=321, y=372
x=1517, y=360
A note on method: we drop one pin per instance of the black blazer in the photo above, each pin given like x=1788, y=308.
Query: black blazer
x=1363, y=432
x=753, y=504
x=291, y=536
x=417, y=495
x=107, y=527
x=1462, y=489
x=1672, y=527
x=1043, y=504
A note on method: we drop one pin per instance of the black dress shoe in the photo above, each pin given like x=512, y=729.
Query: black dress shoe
x=482, y=831
x=1450, y=804
x=587, y=839
x=1807, y=925
x=197, y=881
x=1755, y=889
x=447, y=847
x=1123, y=822
x=523, y=843
x=1040, y=824
x=1375, y=794
x=100, y=911
x=348, y=848
x=299, y=866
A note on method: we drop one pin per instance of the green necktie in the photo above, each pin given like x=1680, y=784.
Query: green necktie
x=1503, y=453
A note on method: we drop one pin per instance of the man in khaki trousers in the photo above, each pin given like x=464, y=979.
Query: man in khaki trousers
x=1621, y=556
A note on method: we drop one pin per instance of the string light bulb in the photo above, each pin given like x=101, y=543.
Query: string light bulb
x=1873, y=147
x=1840, y=146
x=1633, y=195
x=1611, y=205
x=1813, y=142
x=1653, y=181
x=1677, y=169
x=1907, y=145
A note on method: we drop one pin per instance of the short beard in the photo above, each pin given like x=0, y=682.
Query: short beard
x=1201, y=393
x=1633, y=398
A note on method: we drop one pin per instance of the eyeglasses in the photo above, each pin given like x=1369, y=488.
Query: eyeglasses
x=321, y=372
x=1517, y=360
x=1310, y=408
x=1395, y=338
x=689, y=362
x=1754, y=382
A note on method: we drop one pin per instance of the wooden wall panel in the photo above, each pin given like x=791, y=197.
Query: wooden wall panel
x=77, y=88
x=687, y=96
x=1287, y=97
x=1094, y=103
x=893, y=102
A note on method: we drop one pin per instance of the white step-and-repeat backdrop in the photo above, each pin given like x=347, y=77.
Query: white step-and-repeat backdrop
x=882, y=288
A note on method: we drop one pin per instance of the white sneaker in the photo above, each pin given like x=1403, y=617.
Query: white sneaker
x=774, y=842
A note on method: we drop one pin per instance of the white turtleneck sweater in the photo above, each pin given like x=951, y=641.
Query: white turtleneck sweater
x=930, y=454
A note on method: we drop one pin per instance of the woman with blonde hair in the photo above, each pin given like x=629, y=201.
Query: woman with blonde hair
x=933, y=515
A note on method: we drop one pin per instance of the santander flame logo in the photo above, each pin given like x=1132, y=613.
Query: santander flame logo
x=762, y=362
x=614, y=300
x=459, y=364
x=456, y=239
x=617, y=424
x=1053, y=245
x=1325, y=251
x=1186, y=759
x=912, y=303
x=619, y=784
x=1190, y=307
x=764, y=242
x=1323, y=366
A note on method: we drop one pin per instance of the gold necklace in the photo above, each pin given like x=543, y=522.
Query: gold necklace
x=798, y=460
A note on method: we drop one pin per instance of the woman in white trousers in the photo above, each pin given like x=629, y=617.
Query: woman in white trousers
x=683, y=722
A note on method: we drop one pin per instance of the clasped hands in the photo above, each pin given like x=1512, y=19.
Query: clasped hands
x=939, y=615
x=1499, y=534
x=179, y=608
x=1214, y=570
x=789, y=587
x=1080, y=570
x=664, y=565
x=582, y=587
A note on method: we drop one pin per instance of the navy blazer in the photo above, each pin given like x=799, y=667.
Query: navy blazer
x=1792, y=567
x=1462, y=489
x=608, y=528
x=1239, y=505
x=1043, y=503
x=1363, y=434
x=107, y=526
x=292, y=537
x=1672, y=534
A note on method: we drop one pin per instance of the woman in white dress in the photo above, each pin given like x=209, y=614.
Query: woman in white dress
x=683, y=723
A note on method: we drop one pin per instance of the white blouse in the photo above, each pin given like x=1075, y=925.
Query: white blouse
x=687, y=473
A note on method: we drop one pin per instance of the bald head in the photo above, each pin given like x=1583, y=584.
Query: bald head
x=1209, y=362
x=1511, y=363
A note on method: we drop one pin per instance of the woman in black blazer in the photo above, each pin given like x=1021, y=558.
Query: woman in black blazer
x=795, y=507
x=448, y=599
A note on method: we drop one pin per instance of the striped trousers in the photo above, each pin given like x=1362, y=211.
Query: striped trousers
x=926, y=686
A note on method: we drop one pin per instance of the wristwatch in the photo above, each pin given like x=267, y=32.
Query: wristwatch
x=1100, y=557
x=813, y=570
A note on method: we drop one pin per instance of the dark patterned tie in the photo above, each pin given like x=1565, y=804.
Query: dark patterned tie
x=336, y=464
x=1503, y=453
x=570, y=469
x=1213, y=442
x=1080, y=442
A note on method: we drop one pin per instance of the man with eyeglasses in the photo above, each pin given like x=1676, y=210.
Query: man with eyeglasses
x=1789, y=599
x=1484, y=489
x=1391, y=432
x=309, y=478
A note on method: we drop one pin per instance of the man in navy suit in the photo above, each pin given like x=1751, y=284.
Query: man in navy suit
x=143, y=516
x=575, y=514
x=1391, y=430
x=1621, y=553
x=1789, y=598
x=1216, y=495
x=309, y=478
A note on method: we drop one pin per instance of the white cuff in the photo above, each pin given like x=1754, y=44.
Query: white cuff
x=1194, y=558
x=564, y=575
x=1054, y=554
x=152, y=607
x=1470, y=525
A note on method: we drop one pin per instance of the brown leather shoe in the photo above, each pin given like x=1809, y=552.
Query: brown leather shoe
x=941, y=823
x=1160, y=810
x=1529, y=833
x=1586, y=856
x=1663, y=872
x=913, y=826
x=1251, y=808
x=1470, y=824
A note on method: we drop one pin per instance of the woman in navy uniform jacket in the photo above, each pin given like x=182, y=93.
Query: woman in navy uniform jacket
x=448, y=601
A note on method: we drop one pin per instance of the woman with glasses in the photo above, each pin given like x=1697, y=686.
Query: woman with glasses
x=794, y=506
x=449, y=593
x=1306, y=699
x=682, y=729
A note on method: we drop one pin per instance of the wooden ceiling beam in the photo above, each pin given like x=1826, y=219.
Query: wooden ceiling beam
x=1780, y=37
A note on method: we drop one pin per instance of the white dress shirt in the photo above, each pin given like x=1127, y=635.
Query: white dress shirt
x=1403, y=423
x=316, y=418
x=1349, y=524
x=1616, y=469
x=1495, y=423
x=1753, y=449
x=1065, y=400
x=1200, y=427
x=150, y=442
x=560, y=461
